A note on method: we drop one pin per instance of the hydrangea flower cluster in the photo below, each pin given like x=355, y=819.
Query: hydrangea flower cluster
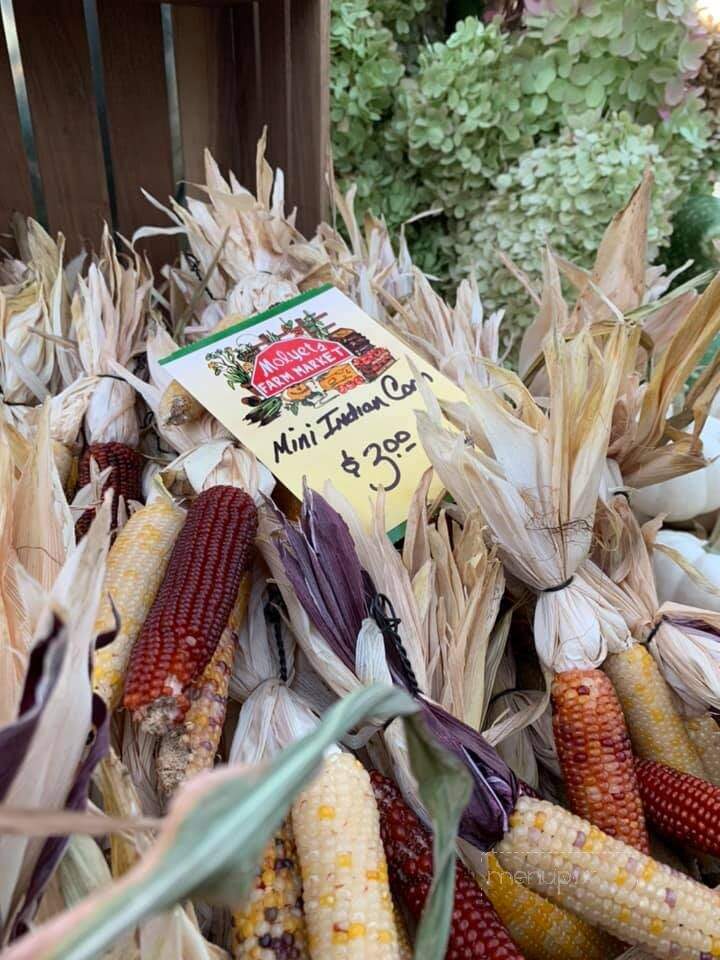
x=518, y=135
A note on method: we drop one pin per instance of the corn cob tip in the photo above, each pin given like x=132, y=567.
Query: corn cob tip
x=161, y=716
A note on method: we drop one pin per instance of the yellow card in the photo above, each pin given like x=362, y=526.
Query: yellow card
x=317, y=389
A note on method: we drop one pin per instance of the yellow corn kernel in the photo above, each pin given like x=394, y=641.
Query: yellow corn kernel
x=343, y=912
x=135, y=568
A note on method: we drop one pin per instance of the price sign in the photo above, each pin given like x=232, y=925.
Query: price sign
x=317, y=389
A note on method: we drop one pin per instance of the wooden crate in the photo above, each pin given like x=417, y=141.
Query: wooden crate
x=124, y=94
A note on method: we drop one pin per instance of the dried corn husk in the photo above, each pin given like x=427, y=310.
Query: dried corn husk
x=232, y=234
x=534, y=477
x=109, y=313
x=48, y=767
x=169, y=935
x=648, y=448
x=457, y=341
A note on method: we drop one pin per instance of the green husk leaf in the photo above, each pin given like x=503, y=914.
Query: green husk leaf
x=217, y=828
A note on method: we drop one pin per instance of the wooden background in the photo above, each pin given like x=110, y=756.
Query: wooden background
x=238, y=66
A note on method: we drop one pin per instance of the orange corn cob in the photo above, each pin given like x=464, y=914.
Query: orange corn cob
x=595, y=755
x=188, y=751
x=476, y=929
x=125, y=479
x=212, y=553
x=681, y=807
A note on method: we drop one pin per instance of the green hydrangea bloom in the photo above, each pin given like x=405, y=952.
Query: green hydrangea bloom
x=366, y=67
x=562, y=192
x=463, y=115
x=611, y=54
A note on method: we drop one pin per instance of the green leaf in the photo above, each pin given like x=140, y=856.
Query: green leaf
x=219, y=825
x=445, y=788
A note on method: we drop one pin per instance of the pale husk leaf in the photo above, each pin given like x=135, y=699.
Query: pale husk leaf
x=536, y=487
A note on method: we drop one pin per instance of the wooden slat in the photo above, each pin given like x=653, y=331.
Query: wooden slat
x=15, y=193
x=137, y=107
x=248, y=102
x=206, y=86
x=54, y=49
x=310, y=25
x=275, y=79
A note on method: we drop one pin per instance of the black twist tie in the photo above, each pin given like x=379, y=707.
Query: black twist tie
x=654, y=630
x=274, y=618
x=560, y=586
x=110, y=376
x=383, y=613
x=622, y=493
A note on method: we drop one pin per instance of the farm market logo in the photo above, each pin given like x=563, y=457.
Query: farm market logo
x=305, y=364
x=288, y=362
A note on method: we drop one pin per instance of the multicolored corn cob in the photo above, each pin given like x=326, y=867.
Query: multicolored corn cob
x=348, y=908
x=476, y=929
x=609, y=884
x=541, y=929
x=656, y=728
x=270, y=924
x=595, y=755
x=179, y=637
x=135, y=568
x=188, y=751
x=705, y=735
x=681, y=807
x=125, y=479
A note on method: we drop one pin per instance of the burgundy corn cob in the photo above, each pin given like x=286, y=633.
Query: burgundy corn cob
x=185, y=623
x=125, y=478
x=593, y=747
x=476, y=929
x=681, y=807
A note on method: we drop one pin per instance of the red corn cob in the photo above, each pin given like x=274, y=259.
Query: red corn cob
x=595, y=755
x=681, y=807
x=125, y=479
x=476, y=929
x=185, y=623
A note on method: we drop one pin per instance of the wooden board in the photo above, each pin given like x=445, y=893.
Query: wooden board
x=248, y=108
x=15, y=192
x=276, y=80
x=56, y=62
x=206, y=86
x=310, y=126
x=137, y=106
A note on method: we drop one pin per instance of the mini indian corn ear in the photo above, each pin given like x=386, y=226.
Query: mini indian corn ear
x=476, y=928
x=348, y=908
x=125, y=479
x=184, y=626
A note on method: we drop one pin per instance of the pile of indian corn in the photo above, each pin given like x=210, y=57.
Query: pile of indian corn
x=598, y=701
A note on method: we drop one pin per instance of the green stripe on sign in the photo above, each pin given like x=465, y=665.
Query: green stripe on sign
x=250, y=322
